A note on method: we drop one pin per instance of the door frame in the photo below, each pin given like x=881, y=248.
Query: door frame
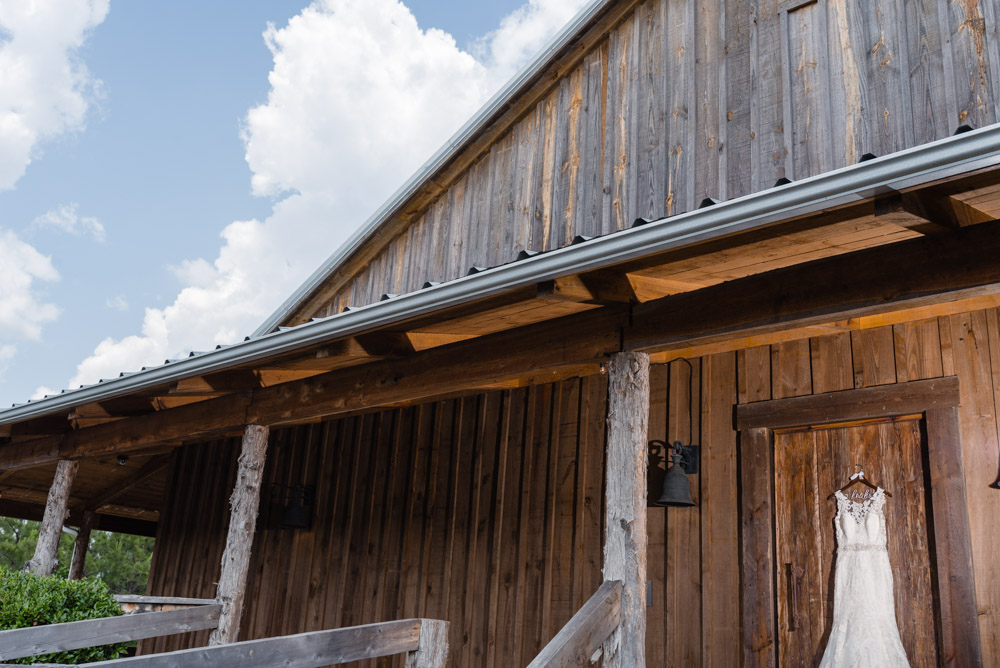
x=937, y=401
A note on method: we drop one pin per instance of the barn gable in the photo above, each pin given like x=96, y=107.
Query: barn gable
x=645, y=110
x=765, y=230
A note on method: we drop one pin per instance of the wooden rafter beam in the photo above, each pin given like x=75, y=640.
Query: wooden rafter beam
x=577, y=343
x=149, y=470
x=908, y=274
x=942, y=208
x=220, y=382
x=118, y=524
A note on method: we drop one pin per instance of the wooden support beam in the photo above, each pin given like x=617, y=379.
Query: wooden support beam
x=941, y=206
x=82, y=545
x=150, y=469
x=609, y=286
x=202, y=418
x=385, y=344
x=864, y=404
x=908, y=274
x=902, y=211
x=757, y=548
x=242, y=524
x=959, y=614
x=576, y=643
x=432, y=652
x=56, y=509
x=625, y=504
x=220, y=382
x=30, y=511
x=578, y=343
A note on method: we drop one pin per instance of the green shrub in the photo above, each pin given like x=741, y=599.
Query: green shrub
x=32, y=600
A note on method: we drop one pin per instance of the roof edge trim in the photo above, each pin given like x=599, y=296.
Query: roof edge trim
x=922, y=164
x=445, y=154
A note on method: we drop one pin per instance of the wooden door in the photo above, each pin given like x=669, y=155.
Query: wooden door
x=809, y=465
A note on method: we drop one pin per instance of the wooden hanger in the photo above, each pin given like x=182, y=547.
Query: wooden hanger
x=857, y=479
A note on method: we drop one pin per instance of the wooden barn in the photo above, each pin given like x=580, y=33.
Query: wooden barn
x=763, y=228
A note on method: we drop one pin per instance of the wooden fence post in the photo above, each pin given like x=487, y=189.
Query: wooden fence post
x=625, y=512
x=56, y=509
x=81, y=545
x=433, y=649
x=242, y=523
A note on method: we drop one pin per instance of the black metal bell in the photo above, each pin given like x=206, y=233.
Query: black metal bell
x=676, y=486
x=294, y=516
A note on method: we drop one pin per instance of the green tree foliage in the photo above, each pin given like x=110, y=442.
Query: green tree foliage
x=31, y=600
x=121, y=561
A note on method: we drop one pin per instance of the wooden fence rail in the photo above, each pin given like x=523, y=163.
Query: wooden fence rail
x=131, y=604
x=19, y=643
x=581, y=638
x=424, y=640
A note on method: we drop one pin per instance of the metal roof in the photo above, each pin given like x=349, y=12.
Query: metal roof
x=452, y=148
x=915, y=166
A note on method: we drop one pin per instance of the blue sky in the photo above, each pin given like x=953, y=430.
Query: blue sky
x=187, y=170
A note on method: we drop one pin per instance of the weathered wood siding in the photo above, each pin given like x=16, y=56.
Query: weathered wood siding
x=694, y=553
x=687, y=99
x=486, y=510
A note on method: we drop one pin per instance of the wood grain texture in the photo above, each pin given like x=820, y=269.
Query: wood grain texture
x=395, y=532
x=757, y=551
x=960, y=637
x=585, y=632
x=808, y=464
x=897, y=399
x=625, y=504
x=239, y=539
x=46, y=556
x=658, y=104
x=302, y=650
x=528, y=516
x=81, y=546
x=432, y=648
x=18, y=643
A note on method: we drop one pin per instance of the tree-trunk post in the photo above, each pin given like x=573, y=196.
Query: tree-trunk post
x=433, y=649
x=625, y=504
x=242, y=523
x=81, y=545
x=56, y=509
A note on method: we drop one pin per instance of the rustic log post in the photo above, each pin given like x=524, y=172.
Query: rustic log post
x=625, y=501
x=433, y=649
x=81, y=545
x=56, y=509
x=242, y=523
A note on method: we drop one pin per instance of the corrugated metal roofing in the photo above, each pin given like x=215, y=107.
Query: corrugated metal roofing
x=454, y=145
x=922, y=164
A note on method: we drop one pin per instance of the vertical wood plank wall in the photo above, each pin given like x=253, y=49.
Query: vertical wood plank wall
x=687, y=99
x=486, y=510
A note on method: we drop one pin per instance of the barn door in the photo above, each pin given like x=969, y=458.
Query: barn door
x=809, y=464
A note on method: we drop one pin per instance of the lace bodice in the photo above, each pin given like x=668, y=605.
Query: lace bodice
x=861, y=524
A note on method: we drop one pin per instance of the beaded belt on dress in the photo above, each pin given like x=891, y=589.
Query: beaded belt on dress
x=858, y=547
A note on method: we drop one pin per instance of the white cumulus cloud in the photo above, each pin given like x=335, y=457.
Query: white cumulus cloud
x=117, y=303
x=360, y=96
x=45, y=89
x=65, y=219
x=23, y=309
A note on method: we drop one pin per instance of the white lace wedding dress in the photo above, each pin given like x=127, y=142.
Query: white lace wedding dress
x=864, y=632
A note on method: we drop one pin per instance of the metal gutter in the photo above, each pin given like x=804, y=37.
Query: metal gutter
x=444, y=155
x=923, y=164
